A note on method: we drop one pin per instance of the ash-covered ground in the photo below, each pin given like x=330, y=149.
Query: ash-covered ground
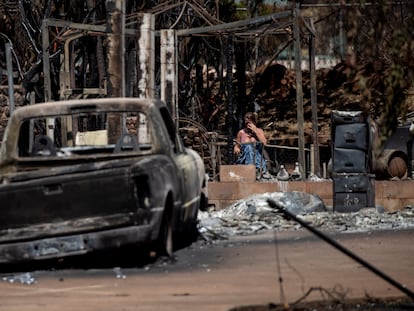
x=254, y=214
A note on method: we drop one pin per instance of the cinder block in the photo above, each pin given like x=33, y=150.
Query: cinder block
x=391, y=204
x=217, y=205
x=397, y=189
x=237, y=173
x=295, y=186
x=247, y=189
x=322, y=188
x=224, y=191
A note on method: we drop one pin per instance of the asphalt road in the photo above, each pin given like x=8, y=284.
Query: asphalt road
x=271, y=267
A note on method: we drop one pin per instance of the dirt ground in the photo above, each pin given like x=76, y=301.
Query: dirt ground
x=254, y=273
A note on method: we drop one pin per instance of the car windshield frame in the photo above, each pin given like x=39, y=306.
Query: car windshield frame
x=84, y=133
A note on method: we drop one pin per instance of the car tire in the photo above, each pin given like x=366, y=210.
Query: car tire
x=193, y=233
x=203, y=204
x=165, y=243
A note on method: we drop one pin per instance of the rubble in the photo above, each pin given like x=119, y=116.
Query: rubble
x=23, y=278
x=253, y=215
x=118, y=273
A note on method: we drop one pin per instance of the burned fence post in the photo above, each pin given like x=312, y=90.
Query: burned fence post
x=116, y=67
x=9, y=64
x=146, y=57
x=299, y=88
x=169, y=71
x=230, y=109
x=47, y=88
x=314, y=102
x=116, y=63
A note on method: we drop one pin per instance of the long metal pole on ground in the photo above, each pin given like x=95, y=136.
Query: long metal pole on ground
x=341, y=248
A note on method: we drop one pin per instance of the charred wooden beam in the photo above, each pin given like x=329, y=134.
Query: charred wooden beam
x=314, y=103
x=230, y=109
x=146, y=57
x=47, y=88
x=169, y=69
x=10, y=83
x=227, y=27
x=116, y=66
x=299, y=88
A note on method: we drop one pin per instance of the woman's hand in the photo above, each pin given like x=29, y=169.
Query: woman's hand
x=236, y=149
x=257, y=132
x=252, y=127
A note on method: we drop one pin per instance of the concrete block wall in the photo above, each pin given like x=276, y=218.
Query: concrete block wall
x=238, y=173
x=392, y=195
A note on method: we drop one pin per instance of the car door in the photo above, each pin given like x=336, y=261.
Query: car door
x=186, y=171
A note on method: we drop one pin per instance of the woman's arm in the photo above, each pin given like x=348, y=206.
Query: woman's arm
x=236, y=148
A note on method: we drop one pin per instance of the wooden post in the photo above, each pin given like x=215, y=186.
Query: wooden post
x=47, y=89
x=9, y=64
x=146, y=57
x=299, y=91
x=169, y=71
x=229, y=82
x=116, y=62
x=314, y=102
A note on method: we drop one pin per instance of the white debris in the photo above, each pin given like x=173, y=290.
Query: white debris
x=24, y=278
x=253, y=214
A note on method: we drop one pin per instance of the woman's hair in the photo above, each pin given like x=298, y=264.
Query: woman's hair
x=252, y=116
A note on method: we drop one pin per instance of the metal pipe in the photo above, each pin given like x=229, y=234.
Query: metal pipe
x=341, y=248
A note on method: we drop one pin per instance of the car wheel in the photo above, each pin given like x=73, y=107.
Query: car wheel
x=203, y=204
x=193, y=233
x=165, y=239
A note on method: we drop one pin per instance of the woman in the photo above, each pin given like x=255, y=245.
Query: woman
x=249, y=145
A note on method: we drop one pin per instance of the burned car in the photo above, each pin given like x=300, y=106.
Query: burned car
x=84, y=175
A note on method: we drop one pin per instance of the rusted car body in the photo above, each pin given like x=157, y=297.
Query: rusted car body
x=84, y=175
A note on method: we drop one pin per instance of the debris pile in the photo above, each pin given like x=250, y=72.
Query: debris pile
x=24, y=278
x=253, y=215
